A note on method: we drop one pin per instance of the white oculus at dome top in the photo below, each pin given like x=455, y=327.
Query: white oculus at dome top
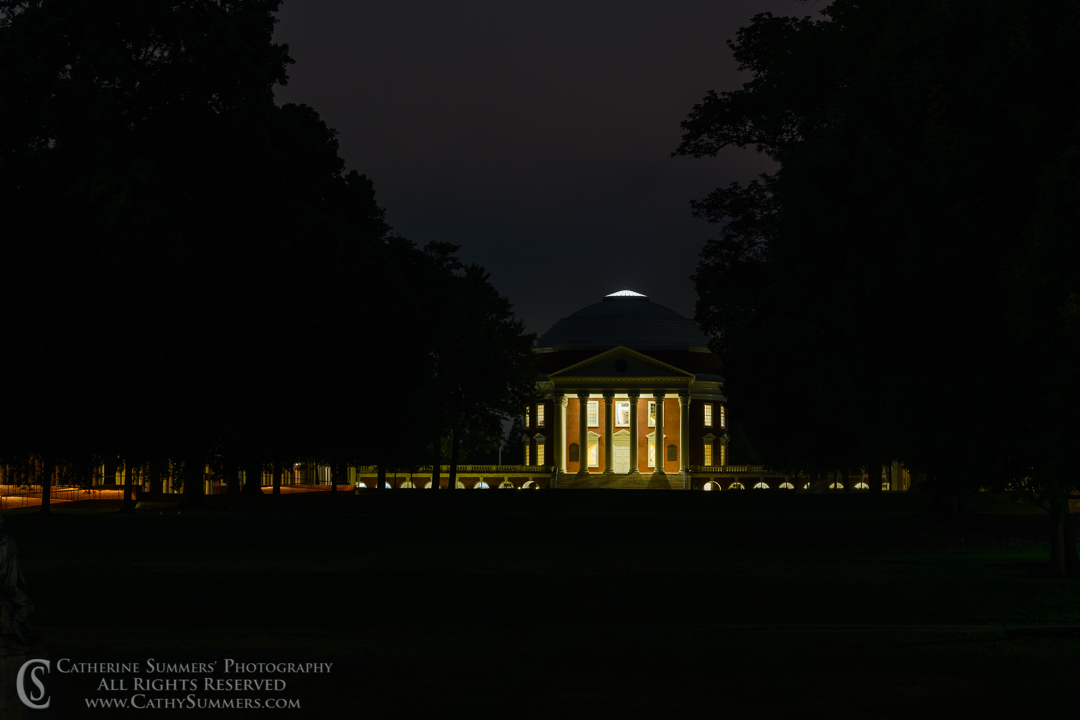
x=626, y=293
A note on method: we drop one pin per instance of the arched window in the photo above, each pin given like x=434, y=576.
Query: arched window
x=761, y=486
x=736, y=486
x=480, y=485
x=836, y=486
x=457, y=484
x=862, y=486
x=786, y=486
x=407, y=484
x=530, y=485
x=361, y=485
x=711, y=485
x=506, y=484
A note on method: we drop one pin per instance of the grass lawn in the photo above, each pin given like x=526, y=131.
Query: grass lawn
x=627, y=604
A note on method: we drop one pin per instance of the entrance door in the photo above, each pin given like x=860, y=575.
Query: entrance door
x=621, y=442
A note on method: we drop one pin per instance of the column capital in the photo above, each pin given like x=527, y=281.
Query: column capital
x=609, y=396
x=582, y=396
x=564, y=400
x=634, y=394
x=658, y=394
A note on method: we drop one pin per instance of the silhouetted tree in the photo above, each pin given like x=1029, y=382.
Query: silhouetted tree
x=922, y=255
x=515, y=441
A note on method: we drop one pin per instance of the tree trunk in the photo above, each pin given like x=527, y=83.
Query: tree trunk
x=277, y=477
x=232, y=475
x=1059, y=509
x=46, y=482
x=253, y=480
x=155, y=476
x=193, y=479
x=874, y=478
x=1072, y=560
x=455, y=447
x=129, y=486
x=436, y=450
x=846, y=476
x=337, y=474
x=380, y=482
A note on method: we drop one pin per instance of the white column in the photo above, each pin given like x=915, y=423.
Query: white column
x=658, y=443
x=684, y=432
x=684, y=439
x=609, y=434
x=563, y=444
x=634, y=398
x=583, y=434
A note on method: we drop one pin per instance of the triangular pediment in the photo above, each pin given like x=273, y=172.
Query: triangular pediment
x=620, y=363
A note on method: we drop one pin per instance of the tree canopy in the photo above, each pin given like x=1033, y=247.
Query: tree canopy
x=190, y=269
x=900, y=287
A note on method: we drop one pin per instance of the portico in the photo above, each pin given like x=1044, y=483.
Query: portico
x=632, y=397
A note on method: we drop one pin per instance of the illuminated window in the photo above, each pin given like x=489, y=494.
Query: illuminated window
x=530, y=485
x=594, y=413
x=708, y=453
x=652, y=413
x=540, y=453
x=506, y=485
x=786, y=486
x=862, y=486
x=723, y=454
x=622, y=414
x=708, y=414
x=711, y=485
x=480, y=485
x=594, y=453
x=736, y=486
x=539, y=416
x=836, y=486
x=722, y=416
x=762, y=486
x=652, y=453
x=884, y=486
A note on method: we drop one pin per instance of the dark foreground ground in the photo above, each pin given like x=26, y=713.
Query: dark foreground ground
x=539, y=605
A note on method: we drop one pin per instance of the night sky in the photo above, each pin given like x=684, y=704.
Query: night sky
x=535, y=135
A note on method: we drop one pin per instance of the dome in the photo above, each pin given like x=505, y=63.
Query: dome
x=624, y=318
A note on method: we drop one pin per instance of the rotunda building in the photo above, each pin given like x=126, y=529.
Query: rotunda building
x=631, y=398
